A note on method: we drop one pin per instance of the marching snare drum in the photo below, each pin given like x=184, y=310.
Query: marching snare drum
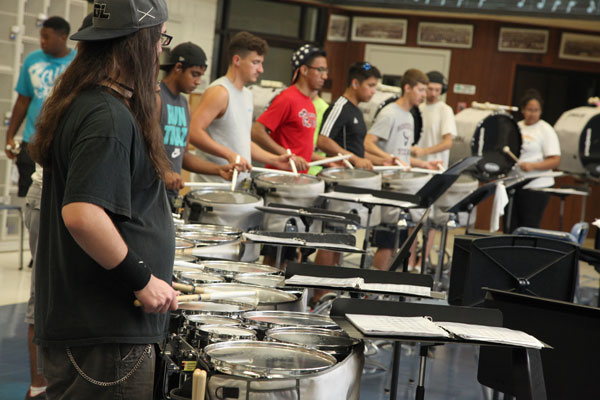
x=210, y=334
x=221, y=207
x=301, y=191
x=262, y=321
x=193, y=322
x=195, y=277
x=360, y=178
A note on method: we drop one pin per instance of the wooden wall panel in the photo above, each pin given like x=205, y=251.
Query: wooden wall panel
x=493, y=73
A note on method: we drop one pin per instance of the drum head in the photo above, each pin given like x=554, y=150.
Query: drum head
x=226, y=197
x=215, y=307
x=275, y=179
x=230, y=268
x=277, y=319
x=265, y=295
x=343, y=174
x=208, y=228
x=499, y=130
x=201, y=319
x=206, y=238
x=197, y=277
x=260, y=280
x=267, y=359
x=320, y=339
x=224, y=332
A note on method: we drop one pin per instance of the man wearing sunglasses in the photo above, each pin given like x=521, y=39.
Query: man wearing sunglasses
x=290, y=120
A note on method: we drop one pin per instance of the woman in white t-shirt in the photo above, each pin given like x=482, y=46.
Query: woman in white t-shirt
x=540, y=152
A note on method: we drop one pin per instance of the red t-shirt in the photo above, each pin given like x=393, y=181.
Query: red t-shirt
x=292, y=120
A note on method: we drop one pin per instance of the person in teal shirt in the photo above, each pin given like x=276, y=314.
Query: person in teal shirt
x=36, y=78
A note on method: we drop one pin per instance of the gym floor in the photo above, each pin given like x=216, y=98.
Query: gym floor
x=451, y=371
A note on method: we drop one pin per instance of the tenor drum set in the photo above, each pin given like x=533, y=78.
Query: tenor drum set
x=246, y=329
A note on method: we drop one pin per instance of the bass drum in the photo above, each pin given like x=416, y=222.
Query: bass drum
x=301, y=191
x=273, y=371
x=578, y=132
x=359, y=178
x=485, y=133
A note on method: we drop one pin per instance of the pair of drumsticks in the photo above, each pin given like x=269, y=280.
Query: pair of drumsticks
x=205, y=294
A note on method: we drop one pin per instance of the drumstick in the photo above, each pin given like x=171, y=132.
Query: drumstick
x=198, y=384
x=347, y=163
x=339, y=157
x=404, y=168
x=206, y=184
x=506, y=150
x=182, y=287
x=235, y=173
x=292, y=162
x=208, y=296
x=279, y=171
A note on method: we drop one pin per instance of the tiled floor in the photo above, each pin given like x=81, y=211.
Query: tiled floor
x=450, y=373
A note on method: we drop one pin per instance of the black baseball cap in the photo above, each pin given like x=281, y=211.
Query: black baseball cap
x=117, y=18
x=187, y=54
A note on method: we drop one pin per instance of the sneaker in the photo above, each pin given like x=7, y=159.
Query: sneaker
x=41, y=396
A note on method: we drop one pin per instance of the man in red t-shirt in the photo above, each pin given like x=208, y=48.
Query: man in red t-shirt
x=290, y=120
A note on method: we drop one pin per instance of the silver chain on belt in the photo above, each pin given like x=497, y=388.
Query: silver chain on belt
x=147, y=351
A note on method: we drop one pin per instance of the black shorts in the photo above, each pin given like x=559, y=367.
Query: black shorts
x=385, y=235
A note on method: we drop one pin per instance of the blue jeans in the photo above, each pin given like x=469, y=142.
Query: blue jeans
x=102, y=363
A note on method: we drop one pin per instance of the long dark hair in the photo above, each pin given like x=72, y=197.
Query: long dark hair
x=134, y=57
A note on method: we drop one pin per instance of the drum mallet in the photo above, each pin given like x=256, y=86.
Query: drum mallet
x=506, y=150
x=235, y=173
x=292, y=162
x=209, y=296
x=346, y=162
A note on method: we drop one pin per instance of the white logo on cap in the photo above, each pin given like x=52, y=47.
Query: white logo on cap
x=146, y=14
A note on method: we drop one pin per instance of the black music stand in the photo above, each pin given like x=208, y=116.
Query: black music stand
x=309, y=214
x=529, y=366
x=340, y=242
x=401, y=257
x=570, y=369
x=525, y=264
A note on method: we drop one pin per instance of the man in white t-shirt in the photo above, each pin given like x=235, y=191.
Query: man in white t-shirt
x=439, y=131
x=390, y=139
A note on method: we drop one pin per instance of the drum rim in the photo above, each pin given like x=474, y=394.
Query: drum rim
x=327, y=322
x=257, y=178
x=222, y=238
x=350, y=341
x=208, y=201
x=246, y=369
x=268, y=269
x=281, y=278
x=282, y=293
x=181, y=276
x=323, y=172
x=190, y=319
x=222, y=229
x=244, y=333
x=190, y=244
x=241, y=306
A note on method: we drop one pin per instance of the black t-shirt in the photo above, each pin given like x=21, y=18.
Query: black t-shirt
x=99, y=157
x=344, y=123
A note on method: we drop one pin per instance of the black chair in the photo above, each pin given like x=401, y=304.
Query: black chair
x=529, y=265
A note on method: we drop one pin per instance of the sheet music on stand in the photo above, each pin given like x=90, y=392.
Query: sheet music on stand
x=425, y=327
x=359, y=283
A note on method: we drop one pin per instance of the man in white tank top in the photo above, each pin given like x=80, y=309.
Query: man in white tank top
x=221, y=124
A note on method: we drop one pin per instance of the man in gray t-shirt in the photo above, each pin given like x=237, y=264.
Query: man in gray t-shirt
x=389, y=140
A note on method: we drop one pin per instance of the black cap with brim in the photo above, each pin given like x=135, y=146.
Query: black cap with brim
x=117, y=18
x=188, y=54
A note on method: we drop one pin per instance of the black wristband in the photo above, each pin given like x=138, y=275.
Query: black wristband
x=132, y=272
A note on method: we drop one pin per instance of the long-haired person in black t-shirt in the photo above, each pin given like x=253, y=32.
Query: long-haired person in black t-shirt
x=106, y=233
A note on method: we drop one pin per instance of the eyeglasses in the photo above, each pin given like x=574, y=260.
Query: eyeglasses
x=165, y=39
x=321, y=70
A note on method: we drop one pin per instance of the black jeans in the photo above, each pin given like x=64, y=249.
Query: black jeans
x=102, y=363
x=26, y=168
x=528, y=209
